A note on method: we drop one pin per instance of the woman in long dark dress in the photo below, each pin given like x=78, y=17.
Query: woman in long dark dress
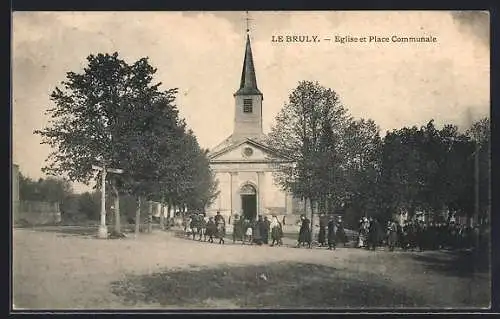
x=211, y=230
x=238, y=230
x=374, y=236
x=304, y=232
x=332, y=233
x=276, y=231
x=257, y=231
x=265, y=231
x=340, y=232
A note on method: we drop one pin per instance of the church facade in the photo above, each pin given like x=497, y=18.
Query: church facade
x=241, y=162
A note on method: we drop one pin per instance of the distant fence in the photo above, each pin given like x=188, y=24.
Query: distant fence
x=36, y=213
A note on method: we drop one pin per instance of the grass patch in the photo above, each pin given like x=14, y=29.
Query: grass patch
x=277, y=285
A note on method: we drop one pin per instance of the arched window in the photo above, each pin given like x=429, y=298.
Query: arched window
x=248, y=189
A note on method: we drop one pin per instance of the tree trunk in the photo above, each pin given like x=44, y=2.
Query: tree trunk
x=327, y=204
x=312, y=203
x=169, y=209
x=117, y=211
x=162, y=215
x=305, y=206
x=150, y=217
x=138, y=216
x=324, y=200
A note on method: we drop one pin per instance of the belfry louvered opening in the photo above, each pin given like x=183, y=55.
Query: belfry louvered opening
x=247, y=106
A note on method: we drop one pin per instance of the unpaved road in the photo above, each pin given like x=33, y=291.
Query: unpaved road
x=52, y=270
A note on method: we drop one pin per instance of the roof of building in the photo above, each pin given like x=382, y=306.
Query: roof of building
x=248, y=83
x=231, y=143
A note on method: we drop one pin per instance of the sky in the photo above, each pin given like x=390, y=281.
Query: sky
x=201, y=54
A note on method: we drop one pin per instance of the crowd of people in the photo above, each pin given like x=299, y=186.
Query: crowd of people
x=412, y=235
x=331, y=232
x=415, y=234
x=260, y=232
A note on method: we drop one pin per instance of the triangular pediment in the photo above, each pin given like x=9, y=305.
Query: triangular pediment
x=245, y=150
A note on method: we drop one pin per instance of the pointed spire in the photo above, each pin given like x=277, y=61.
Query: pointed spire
x=248, y=83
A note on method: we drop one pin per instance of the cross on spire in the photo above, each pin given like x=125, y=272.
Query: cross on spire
x=248, y=22
x=248, y=84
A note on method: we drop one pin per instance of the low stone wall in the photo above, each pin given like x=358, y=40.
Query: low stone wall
x=37, y=213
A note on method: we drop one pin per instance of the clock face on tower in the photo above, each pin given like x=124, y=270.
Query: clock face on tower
x=247, y=151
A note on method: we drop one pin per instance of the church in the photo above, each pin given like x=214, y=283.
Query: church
x=241, y=162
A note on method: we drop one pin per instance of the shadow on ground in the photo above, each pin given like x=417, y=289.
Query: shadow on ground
x=277, y=285
x=75, y=231
x=459, y=263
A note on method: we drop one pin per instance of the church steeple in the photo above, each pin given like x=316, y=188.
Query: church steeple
x=248, y=100
x=248, y=83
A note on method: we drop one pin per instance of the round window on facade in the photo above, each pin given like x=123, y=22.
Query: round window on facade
x=247, y=151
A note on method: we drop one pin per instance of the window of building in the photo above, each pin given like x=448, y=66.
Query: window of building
x=247, y=106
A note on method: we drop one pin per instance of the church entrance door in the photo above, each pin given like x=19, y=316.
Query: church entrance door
x=248, y=195
x=249, y=206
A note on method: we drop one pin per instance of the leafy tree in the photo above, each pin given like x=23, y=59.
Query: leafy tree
x=89, y=205
x=45, y=189
x=428, y=169
x=102, y=117
x=306, y=132
x=157, y=135
x=200, y=184
x=361, y=170
x=480, y=135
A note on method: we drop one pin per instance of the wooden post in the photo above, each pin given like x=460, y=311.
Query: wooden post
x=103, y=229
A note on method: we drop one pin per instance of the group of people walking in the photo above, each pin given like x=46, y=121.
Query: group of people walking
x=414, y=234
x=258, y=231
x=371, y=234
x=208, y=228
x=331, y=232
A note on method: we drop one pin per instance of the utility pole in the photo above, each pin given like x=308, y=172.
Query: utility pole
x=103, y=229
